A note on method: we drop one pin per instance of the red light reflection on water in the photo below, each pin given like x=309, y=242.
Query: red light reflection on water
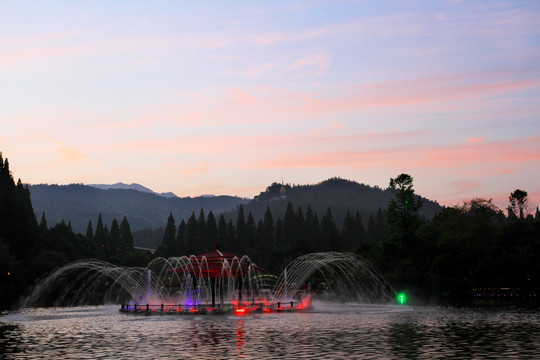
x=240, y=341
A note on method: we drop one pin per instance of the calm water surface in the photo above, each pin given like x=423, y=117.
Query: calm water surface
x=329, y=332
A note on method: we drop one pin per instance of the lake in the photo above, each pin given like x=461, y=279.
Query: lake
x=327, y=332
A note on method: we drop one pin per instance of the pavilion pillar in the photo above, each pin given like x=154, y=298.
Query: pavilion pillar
x=240, y=284
x=221, y=296
x=213, y=290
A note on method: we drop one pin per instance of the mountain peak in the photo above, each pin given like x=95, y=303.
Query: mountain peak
x=132, y=186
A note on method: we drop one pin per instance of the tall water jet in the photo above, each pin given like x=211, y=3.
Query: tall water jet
x=213, y=281
x=343, y=277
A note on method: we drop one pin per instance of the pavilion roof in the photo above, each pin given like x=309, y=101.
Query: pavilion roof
x=211, y=264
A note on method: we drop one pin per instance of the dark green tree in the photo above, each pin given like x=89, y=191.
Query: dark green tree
x=43, y=223
x=518, y=202
x=169, y=238
x=211, y=231
x=99, y=236
x=311, y=228
x=181, y=248
x=204, y=242
x=359, y=228
x=192, y=235
x=349, y=233
x=266, y=233
x=403, y=208
x=290, y=228
x=329, y=232
x=251, y=233
x=114, y=236
x=240, y=231
x=223, y=232
x=126, y=237
x=89, y=232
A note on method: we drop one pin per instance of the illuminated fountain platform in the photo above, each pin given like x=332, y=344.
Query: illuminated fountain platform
x=238, y=309
x=215, y=282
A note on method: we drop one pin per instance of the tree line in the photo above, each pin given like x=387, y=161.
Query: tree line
x=270, y=242
x=463, y=247
x=29, y=250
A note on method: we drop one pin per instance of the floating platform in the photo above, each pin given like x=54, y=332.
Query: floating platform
x=182, y=309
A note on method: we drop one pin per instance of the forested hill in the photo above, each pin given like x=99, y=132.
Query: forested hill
x=338, y=194
x=78, y=204
x=81, y=203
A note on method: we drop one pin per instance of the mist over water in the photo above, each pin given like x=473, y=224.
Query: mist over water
x=330, y=331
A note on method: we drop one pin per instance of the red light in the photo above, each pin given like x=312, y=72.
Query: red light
x=193, y=310
x=240, y=311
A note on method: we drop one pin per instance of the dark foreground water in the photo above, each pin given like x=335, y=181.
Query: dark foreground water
x=330, y=332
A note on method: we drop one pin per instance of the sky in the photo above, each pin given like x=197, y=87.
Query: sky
x=227, y=97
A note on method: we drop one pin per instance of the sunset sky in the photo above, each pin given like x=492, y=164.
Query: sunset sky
x=227, y=97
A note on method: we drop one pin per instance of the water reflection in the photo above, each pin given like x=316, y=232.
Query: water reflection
x=362, y=332
x=407, y=338
x=240, y=337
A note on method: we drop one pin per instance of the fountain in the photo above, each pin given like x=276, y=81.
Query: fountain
x=213, y=282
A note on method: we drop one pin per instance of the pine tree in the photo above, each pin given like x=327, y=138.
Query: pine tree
x=114, y=238
x=192, y=235
x=311, y=228
x=251, y=233
x=211, y=231
x=202, y=231
x=329, y=232
x=380, y=225
x=223, y=232
x=359, y=228
x=278, y=233
x=18, y=225
x=403, y=208
x=181, y=240
x=126, y=237
x=169, y=238
x=370, y=233
x=231, y=234
x=266, y=234
x=89, y=232
x=349, y=235
x=99, y=237
x=290, y=229
x=240, y=231
x=43, y=223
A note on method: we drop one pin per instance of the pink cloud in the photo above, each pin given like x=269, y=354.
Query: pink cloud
x=476, y=140
x=314, y=63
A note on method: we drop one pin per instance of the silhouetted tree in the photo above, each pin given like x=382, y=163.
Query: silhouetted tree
x=329, y=232
x=240, y=231
x=518, y=201
x=203, y=242
x=126, y=237
x=43, y=223
x=169, y=238
x=114, y=235
x=211, y=231
x=192, y=235
x=251, y=233
x=99, y=236
x=180, y=246
x=89, y=232
x=223, y=232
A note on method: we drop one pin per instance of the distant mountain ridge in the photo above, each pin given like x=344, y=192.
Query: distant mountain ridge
x=340, y=195
x=132, y=186
x=145, y=209
x=79, y=204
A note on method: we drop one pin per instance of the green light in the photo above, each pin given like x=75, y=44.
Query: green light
x=402, y=298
